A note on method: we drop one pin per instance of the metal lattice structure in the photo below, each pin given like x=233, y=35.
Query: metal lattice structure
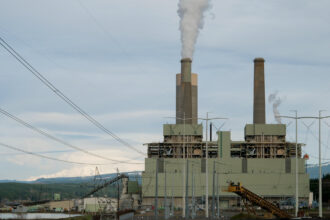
x=257, y=200
x=113, y=180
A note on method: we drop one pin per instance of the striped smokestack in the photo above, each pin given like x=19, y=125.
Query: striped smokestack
x=186, y=94
x=259, y=92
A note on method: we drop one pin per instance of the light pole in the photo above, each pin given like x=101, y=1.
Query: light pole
x=320, y=151
x=207, y=119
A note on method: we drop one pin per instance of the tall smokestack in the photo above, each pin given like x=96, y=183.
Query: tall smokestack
x=186, y=70
x=259, y=92
x=186, y=94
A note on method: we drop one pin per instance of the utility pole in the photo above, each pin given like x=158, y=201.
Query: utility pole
x=207, y=119
x=118, y=195
x=184, y=156
x=206, y=170
x=218, y=205
x=184, y=167
x=193, y=214
x=187, y=199
x=320, y=161
x=206, y=166
x=320, y=156
x=213, y=190
x=296, y=193
x=156, y=192
x=165, y=193
x=320, y=169
x=297, y=197
x=172, y=204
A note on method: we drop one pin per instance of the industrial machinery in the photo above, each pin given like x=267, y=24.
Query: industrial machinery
x=247, y=195
x=113, y=180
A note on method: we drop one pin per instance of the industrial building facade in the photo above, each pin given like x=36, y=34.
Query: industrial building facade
x=264, y=162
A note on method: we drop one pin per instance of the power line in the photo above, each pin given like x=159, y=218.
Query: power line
x=308, y=127
x=316, y=165
x=104, y=30
x=314, y=135
x=37, y=74
x=40, y=152
x=46, y=157
x=57, y=139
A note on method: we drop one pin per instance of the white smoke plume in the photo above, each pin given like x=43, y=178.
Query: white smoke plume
x=191, y=13
x=276, y=101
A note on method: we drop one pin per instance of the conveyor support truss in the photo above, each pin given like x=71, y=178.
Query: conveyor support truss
x=257, y=200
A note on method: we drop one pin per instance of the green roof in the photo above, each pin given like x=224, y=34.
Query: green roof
x=180, y=129
x=265, y=129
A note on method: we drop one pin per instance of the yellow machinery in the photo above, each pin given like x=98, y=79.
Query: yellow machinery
x=256, y=200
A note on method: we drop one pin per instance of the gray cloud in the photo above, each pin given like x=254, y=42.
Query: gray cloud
x=126, y=62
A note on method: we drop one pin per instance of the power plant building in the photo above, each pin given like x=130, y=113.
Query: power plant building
x=264, y=162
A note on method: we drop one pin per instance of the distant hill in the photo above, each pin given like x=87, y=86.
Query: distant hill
x=314, y=171
x=75, y=187
x=84, y=179
x=68, y=187
x=36, y=191
x=9, y=181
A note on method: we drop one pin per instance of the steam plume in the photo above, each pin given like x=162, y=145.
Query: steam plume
x=191, y=13
x=273, y=98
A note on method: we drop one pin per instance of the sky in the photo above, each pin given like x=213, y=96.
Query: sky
x=117, y=60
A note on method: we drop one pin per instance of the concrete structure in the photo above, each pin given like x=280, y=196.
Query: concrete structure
x=259, y=92
x=186, y=94
x=264, y=162
x=99, y=204
x=20, y=209
x=6, y=209
x=186, y=130
x=60, y=206
x=272, y=178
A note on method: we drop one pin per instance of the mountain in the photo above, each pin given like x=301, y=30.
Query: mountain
x=313, y=171
x=67, y=187
x=83, y=179
x=13, y=181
